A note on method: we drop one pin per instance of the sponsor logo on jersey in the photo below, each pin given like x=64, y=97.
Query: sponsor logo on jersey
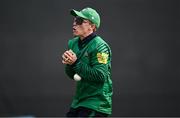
x=102, y=57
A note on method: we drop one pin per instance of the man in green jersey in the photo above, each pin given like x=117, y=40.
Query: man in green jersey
x=88, y=61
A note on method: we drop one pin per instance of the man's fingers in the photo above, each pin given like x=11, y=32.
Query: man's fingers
x=67, y=62
x=64, y=62
x=63, y=57
x=71, y=52
x=68, y=55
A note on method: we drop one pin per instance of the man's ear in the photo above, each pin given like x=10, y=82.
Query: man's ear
x=94, y=27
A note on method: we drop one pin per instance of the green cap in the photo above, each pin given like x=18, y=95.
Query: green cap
x=89, y=14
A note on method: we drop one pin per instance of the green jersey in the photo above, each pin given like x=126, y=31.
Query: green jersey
x=93, y=65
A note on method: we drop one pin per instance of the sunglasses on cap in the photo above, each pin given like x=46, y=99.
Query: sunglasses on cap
x=79, y=20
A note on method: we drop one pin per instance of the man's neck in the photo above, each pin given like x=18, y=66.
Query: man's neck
x=85, y=35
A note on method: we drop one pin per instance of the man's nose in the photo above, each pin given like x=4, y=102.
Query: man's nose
x=74, y=24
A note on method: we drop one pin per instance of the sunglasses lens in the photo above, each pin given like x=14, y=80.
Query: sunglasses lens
x=79, y=21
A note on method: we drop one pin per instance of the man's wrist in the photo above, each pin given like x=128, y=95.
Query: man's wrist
x=75, y=63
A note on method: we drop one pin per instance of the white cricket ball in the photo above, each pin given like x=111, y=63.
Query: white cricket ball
x=77, y=77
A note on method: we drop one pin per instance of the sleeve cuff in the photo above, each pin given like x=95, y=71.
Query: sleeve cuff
x=75, y=63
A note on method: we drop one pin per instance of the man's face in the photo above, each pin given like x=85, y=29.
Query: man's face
x=81, y=26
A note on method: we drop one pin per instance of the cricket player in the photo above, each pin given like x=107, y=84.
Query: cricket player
x=89, y=58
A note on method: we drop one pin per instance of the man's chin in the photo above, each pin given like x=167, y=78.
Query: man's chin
x=75, y=34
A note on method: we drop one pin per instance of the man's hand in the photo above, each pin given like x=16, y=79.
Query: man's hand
x=69, y=57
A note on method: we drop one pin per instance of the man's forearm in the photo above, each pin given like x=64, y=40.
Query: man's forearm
x=91, y=73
